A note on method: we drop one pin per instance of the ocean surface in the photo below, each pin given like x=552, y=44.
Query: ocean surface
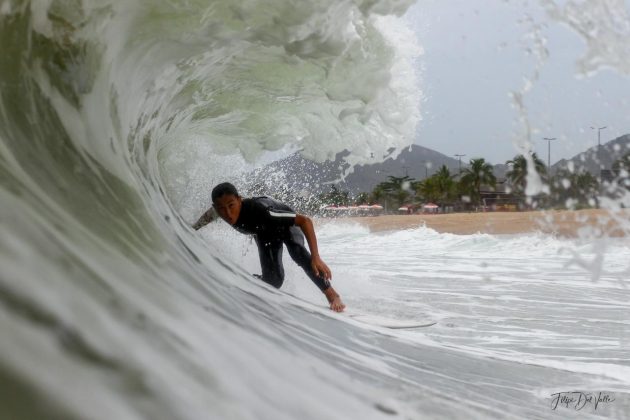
x=117, y=117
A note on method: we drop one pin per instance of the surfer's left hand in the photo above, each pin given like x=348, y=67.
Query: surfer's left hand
x=320, y=268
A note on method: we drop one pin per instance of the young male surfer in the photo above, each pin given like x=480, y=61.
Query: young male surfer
x=273, y=224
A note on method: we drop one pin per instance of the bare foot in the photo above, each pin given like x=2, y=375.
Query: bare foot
x=337, y=305
x=334, y=300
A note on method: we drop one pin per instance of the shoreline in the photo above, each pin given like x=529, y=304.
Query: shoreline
x=592, y=223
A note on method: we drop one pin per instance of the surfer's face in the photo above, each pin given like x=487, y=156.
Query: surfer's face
x=229, y=207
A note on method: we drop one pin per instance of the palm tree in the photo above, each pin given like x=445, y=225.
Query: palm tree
x=477, y=174
x=428, y=190
x=335, y=196
x=621, y=164
x=445, y=179
x=574, y=189
x=378, y=193
x=362, y=198
x=621, y=169
x=439, y=188
x=398, y=188
x=517, y=175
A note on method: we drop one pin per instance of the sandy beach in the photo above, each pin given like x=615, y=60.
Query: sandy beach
x=564, y=223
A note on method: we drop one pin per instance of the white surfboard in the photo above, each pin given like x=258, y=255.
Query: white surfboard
x=397, y=324
x=369, y=319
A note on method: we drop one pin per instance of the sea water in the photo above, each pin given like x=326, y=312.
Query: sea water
x=116, y=117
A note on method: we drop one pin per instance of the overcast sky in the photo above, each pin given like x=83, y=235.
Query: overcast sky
x=478, y=51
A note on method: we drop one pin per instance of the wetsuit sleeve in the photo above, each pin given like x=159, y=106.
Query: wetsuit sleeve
x=205, y=218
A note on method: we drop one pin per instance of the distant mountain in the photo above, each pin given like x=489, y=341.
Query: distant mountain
x=295, y=173
x=303, y=177
x=596, y=158
x=416, y=161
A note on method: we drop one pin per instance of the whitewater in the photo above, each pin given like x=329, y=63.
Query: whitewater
x=117, y=117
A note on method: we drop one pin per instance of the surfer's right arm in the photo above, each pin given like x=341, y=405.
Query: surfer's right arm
x=205, y=218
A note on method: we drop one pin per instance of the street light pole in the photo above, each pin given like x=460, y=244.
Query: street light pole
x=599, y=138
x=460, y=164
x=549, y=140
x=426, y=168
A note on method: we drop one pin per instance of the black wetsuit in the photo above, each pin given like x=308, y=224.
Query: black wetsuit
x=273, y=223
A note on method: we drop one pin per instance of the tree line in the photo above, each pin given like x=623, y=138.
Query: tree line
x=528, y=184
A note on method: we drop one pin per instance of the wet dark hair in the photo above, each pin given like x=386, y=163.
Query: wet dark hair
x=223, y=189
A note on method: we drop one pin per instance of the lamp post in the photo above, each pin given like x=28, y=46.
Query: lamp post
x=549, y=140
x=426, y=168
x=460, y=164
x=599, y=138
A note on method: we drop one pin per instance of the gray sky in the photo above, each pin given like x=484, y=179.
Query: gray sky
x=476, y=53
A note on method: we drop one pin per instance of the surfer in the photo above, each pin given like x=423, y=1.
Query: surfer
x=273, y=224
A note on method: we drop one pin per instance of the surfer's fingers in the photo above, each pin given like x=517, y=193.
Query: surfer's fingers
x=324, y=271
x=316, y=269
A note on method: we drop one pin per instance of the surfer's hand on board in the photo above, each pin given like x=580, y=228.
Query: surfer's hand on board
x=320, y=268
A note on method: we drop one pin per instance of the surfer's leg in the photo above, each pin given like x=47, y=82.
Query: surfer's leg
x=299, y=253
x=270, y=254
x=301, y=256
